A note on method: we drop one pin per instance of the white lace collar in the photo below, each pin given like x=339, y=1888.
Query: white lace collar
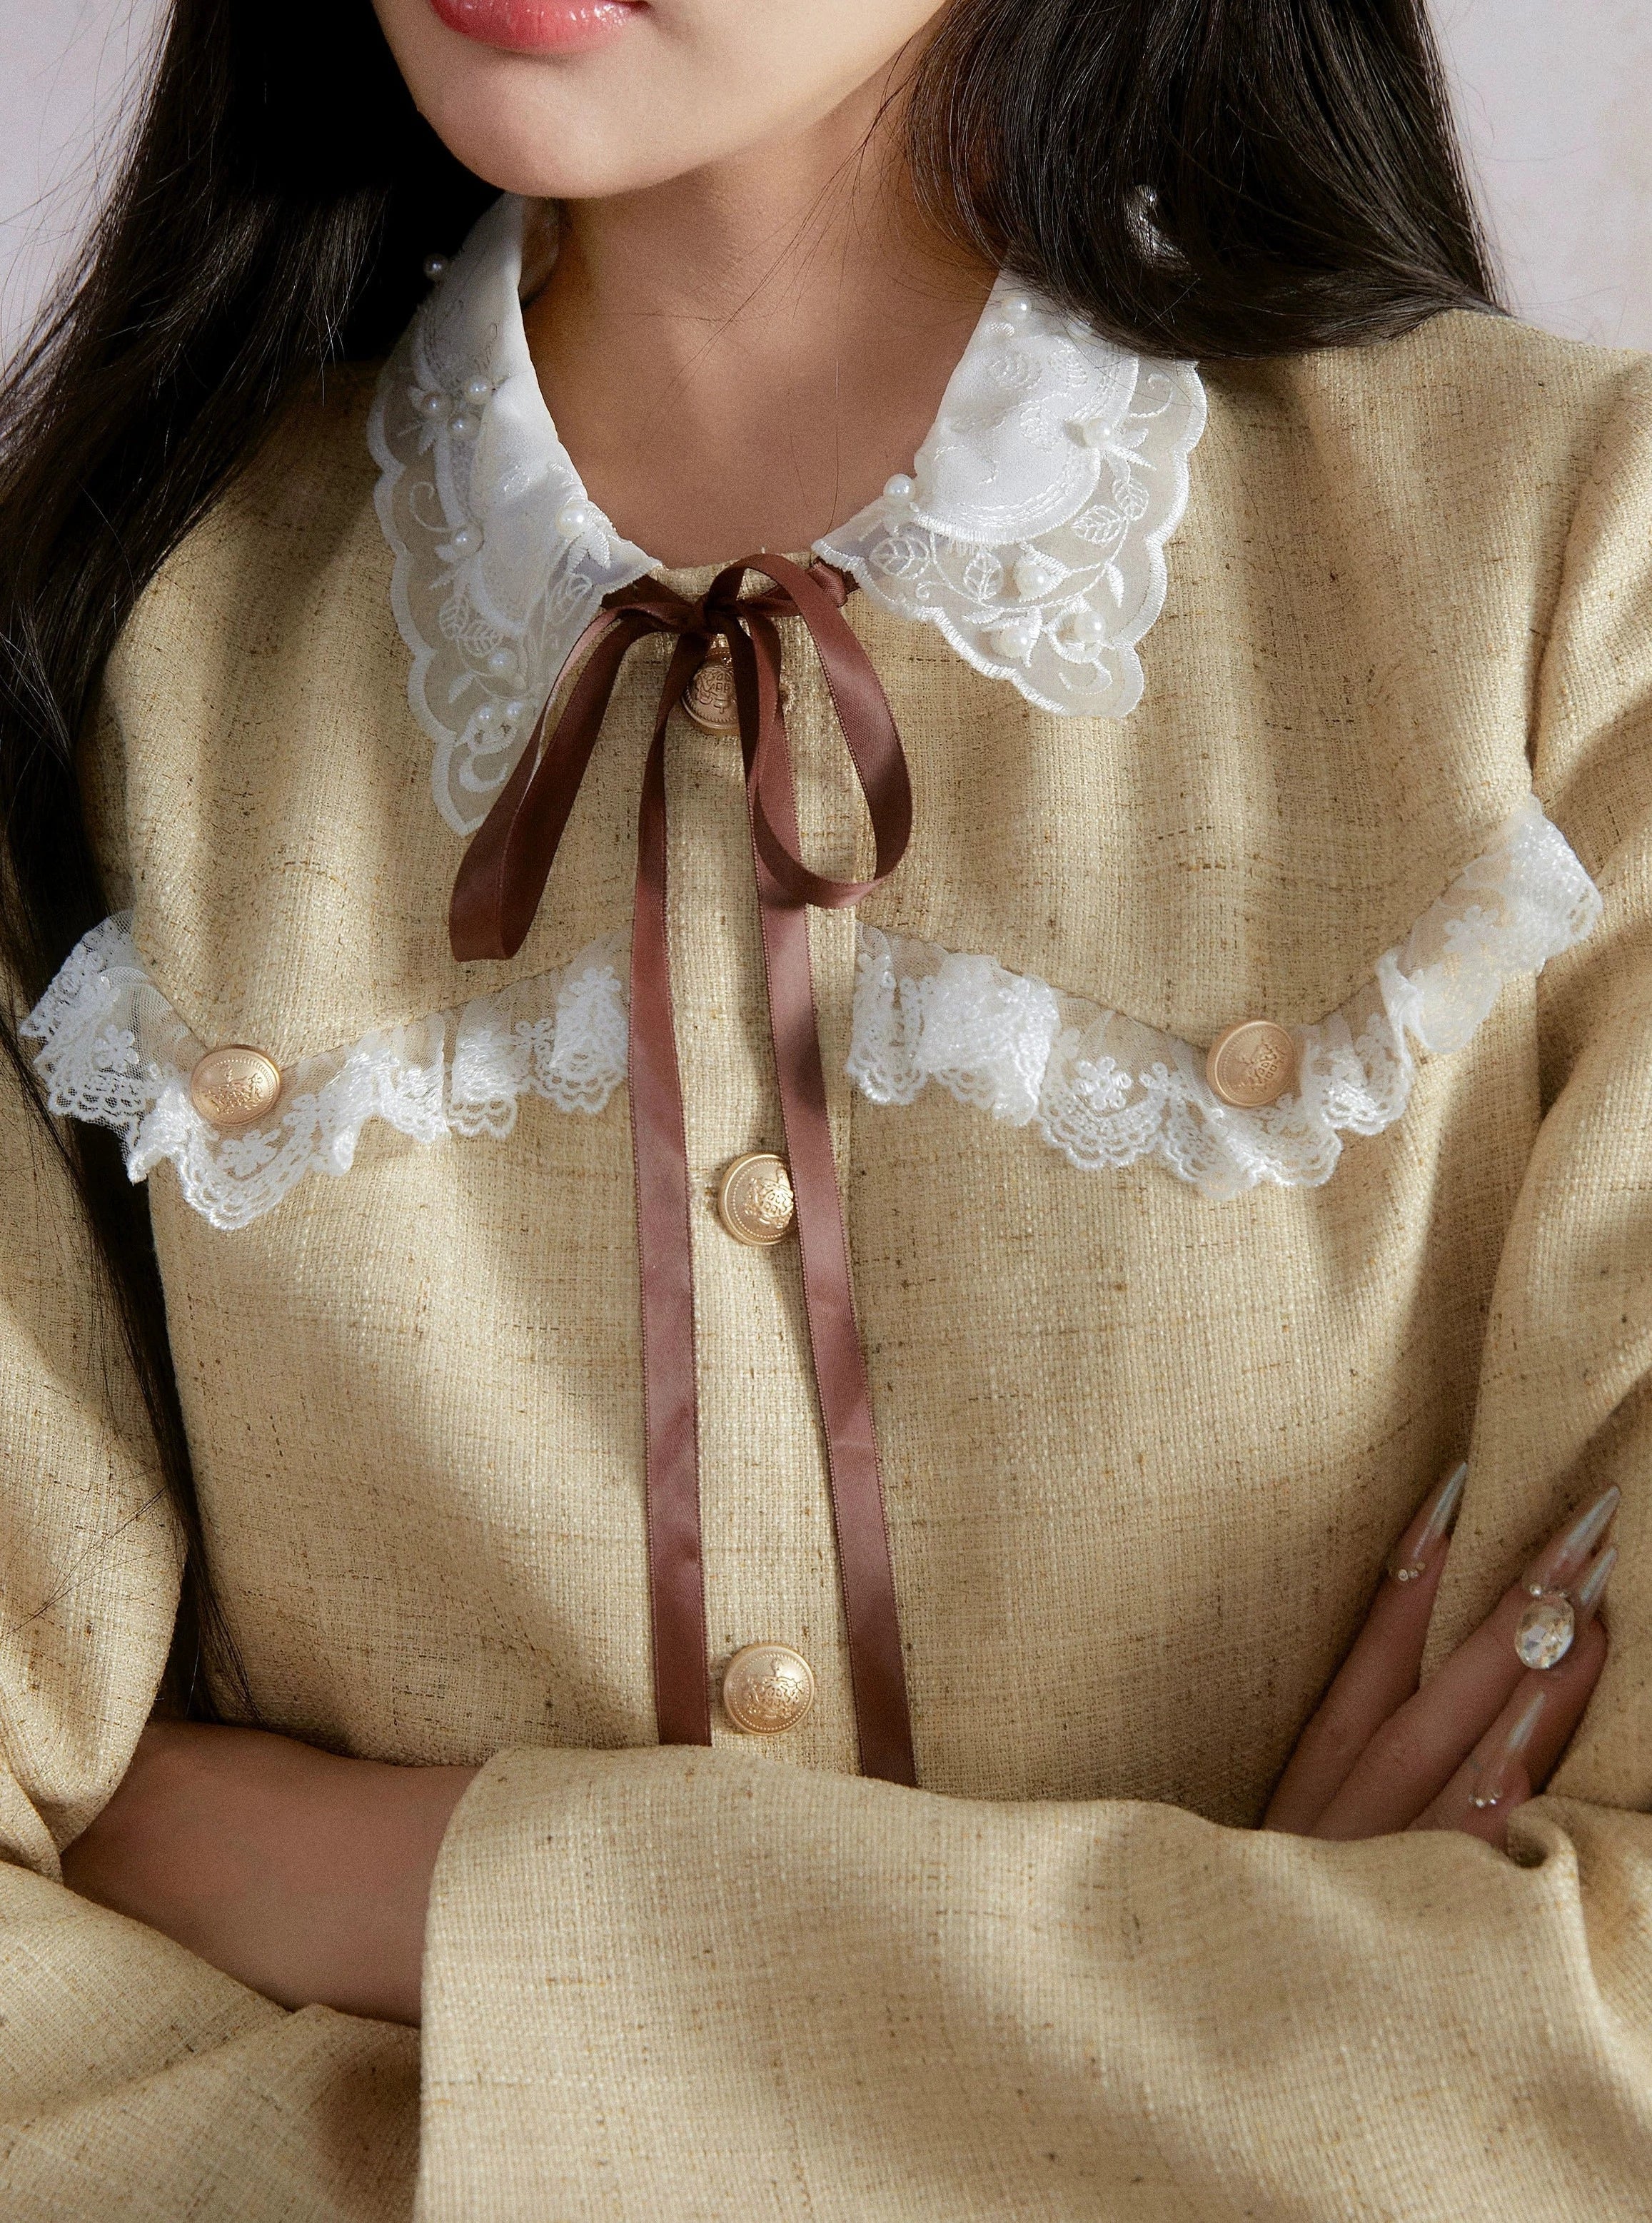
x=1031, y=532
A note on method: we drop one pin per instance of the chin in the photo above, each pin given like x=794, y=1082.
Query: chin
x=567, y=126
x=565, y=149
x=581, y=99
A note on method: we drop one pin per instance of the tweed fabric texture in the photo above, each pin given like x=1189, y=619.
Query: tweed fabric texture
x=1145, y=1453
x=135, y=2080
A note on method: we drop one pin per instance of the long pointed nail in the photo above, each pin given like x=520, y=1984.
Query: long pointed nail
x=1431, y=1526
x=1495, y=1780
x=1566, y=1551
x=1593, y=1588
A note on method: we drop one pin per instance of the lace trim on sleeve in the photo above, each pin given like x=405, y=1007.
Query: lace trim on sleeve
x=1105, y=1090
x=113, y=1051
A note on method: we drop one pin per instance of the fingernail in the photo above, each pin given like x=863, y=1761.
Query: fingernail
x=1593, y=1588
x=1496, y=1776
x=1429, y=1527
x=1566, y=1551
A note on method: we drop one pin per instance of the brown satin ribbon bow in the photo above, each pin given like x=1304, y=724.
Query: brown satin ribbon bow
x=494, y=897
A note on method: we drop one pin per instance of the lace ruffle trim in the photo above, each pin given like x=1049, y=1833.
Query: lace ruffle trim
x=1102, y=1089
x=114, y=1051
x=1105, y=1090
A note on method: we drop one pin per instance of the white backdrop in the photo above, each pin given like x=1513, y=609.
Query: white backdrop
x=1555, y=97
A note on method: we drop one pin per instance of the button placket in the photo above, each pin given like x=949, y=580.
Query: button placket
x=770, y=1564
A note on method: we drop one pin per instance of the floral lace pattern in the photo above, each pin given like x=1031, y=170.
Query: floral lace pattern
x=114, y=1051
x=501, y=558
x=1031, y=530
x=1102, y=1089
x=1105, y=1090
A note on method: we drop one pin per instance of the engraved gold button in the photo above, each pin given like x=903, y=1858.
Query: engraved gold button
x=234, y=1086
x=708, y=700
x=754, y=1198
x=766, y=1689
x=1251, y=1065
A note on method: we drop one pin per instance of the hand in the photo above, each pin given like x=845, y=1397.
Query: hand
x=1485, y=1731
x=304, y=1875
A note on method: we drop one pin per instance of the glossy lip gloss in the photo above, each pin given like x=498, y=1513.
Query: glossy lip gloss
x=539, y=26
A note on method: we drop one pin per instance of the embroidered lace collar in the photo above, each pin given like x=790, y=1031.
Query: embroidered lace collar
x=1031, y=531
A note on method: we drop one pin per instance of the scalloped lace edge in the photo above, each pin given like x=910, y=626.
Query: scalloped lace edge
x=501, y=556
x=1056, y=609
x=1103, y=1090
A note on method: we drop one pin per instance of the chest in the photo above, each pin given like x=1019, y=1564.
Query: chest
x=1139, y=1363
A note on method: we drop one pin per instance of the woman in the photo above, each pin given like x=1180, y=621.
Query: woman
x=1154, y=886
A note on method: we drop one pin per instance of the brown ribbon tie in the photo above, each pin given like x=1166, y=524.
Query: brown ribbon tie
x=495, y=898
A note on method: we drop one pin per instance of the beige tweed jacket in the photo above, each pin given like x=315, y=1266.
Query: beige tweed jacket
x=1155, y=1381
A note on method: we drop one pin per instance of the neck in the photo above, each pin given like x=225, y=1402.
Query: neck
x=741, y=358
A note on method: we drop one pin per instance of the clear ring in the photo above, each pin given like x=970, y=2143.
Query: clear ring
x=1544, y=1632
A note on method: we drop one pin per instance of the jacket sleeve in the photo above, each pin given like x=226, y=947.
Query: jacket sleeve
x=692, y=1985
x=136, y=2082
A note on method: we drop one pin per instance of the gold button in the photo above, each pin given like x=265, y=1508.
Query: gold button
x=1251, y=1065
x=234, y=1086
x=708, y=700
x=754, y=1198
x=768, y=1688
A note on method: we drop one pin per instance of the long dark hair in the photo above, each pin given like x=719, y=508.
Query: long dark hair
x=1212, y=178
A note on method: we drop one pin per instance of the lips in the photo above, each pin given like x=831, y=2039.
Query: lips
x=539, y=26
